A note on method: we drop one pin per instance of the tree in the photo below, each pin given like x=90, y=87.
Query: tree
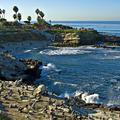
x=41, y=14
x=0, y=13
x=37, y=11
x=3, y=11
x=15, y=9
x=38, y=18
x=29, y=19
x=15, y=17
x=19, y=17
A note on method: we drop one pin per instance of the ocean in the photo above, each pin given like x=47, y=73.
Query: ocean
x=105, y=27
x=69, y=71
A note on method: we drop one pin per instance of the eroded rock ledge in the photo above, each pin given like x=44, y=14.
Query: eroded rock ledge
x=76, y=38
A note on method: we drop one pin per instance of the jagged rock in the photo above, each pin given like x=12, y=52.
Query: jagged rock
x=12, y=69
x=39, y=90
x=114, y=108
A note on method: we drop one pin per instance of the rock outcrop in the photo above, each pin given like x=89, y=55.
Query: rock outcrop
x=76, y=39
x=39, y=90
x=15, y=69
x=111, y=39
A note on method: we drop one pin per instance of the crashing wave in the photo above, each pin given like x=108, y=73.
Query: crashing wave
x=65, y=51
x=93, y=98
x=46, y=69
x=88, y=98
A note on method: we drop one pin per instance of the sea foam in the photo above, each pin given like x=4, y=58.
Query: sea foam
x=27, y=51
x=65, y=51
x=49, y=68
x=88, y=98
x=93, y=98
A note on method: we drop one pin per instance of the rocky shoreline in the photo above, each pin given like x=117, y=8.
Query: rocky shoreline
x=83, y=37
x=29, y=102
x=25, y=102
x=21, y=99
x=62, y=37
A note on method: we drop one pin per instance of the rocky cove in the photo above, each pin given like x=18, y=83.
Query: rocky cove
x=18, y=76
x=58, y=70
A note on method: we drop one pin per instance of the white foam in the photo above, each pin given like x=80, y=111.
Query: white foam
x=35, y=48
x=27, y=51
x=57, y=83
x=93, y=98
x=90, y=98
x=68, y=84
x=65, y=51
x=65, y=95
x=90, y=47
x=112, y=51
x=110, y=57
x=49, y=68
x=77, y=93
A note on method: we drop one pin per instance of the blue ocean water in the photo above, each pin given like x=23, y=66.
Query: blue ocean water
x=69, y=71
x=109, y=27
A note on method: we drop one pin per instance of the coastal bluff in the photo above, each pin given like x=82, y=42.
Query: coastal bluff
x=76, y=38
x=18, y=36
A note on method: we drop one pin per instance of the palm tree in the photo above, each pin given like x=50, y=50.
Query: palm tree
x=37, y=11
x=38, y=18
x=0, y=13
x=3, y=11
x=15, y=9
x=41, y=14
x=15, y=17
x=29, y=19
x=19, y=17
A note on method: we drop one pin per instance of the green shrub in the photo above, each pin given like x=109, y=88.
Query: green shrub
x=4, y=117
x=71, y=31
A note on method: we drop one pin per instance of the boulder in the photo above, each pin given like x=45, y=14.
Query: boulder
x=12, y=69
x=39, y=90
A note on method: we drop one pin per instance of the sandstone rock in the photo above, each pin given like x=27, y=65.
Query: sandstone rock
x=39, y=90
x=76, y=39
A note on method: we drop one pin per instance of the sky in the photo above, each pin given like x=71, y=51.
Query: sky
x=65, y=9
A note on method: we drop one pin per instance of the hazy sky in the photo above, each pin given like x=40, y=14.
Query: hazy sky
x=65, y=9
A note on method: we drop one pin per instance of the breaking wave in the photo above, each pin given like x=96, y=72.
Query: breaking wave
x=87, y=98
x=50, y=67
x=65, y=51
x=68, y=84
x=27, y=51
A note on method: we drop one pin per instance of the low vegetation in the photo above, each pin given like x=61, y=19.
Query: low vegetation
x=4, y=117
x=71, y=30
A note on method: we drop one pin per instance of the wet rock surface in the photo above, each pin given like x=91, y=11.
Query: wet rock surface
x=15, y=69
x=20, y=103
